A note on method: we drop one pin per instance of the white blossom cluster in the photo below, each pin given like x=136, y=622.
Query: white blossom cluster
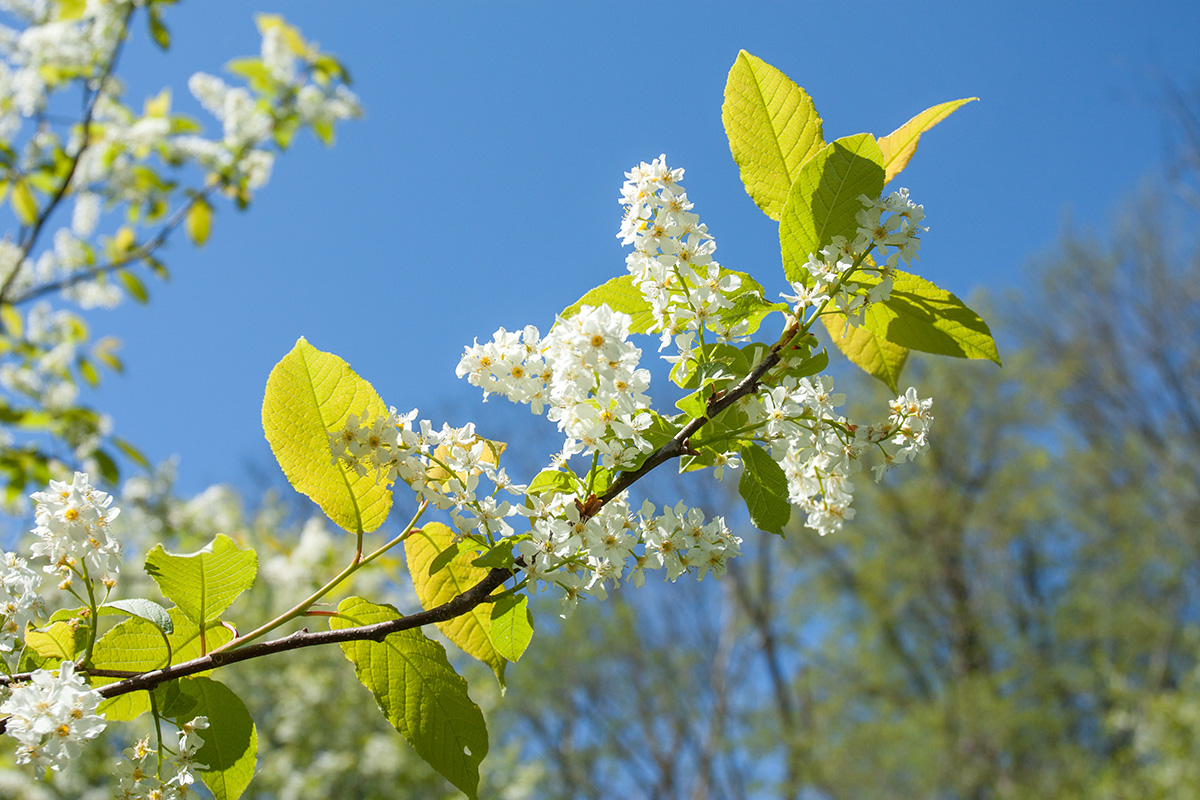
x=139, y=780
x=579, y=555
x=443, y=467
x=20, y=601
x=672, y=261
x=51, y=716
x=585, y=372
x=889, y=228
x=818, y=448
x=72, y=530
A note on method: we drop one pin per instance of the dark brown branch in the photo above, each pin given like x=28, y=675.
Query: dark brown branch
x=377, y=632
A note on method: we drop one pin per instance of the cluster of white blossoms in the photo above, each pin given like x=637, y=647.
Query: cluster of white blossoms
x=578, y=555
x=51, y=716
x=72, y=530
x=20, y=601
x=890, y=229
x=139, y=780
x=819, y=449
x=443, y=467
x=672, y=261
x=585, y=372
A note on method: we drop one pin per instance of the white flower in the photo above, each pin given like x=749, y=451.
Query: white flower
x=72, y=527
x=51, y=716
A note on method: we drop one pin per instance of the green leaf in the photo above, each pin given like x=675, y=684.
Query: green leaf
x=824, y=199
x=764, y=488
x=751, y=308
x=901, y=144
x=133, y=285
x=920, y=316
x=108, y=467
x=230, y=746
x=204, y=583
x=439, y=580
x=131, y=451
x=309, y=395
x=145, y=609
x=772, y=128
x=23, y=203
x=199, y=221
x=551, y=480
x=88, y=371
x=158, y=31
x=805, y=367
x=49, y=647
x=874, y=354
x=419, y=693
x=512, y=626
x=620, y=295
x=135, y=645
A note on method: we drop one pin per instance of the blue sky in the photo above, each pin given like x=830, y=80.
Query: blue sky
x=480, y=190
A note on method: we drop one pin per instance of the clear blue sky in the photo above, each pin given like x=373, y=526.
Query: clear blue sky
x=480, y=190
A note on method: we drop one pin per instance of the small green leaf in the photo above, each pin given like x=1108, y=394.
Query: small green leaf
x=133, y=285
x=158, y=31
x=551, y=480
x=131, y=451
x=824, y=200
x=419, y=693
x=809, y=366
x=204, y=583
x=619, y=294
x=309, y=395
x=108, y=467
x=145, y=609
x=49, y=647
x=23, y=203
x=512, y=626
x=199, y=221
x=772, y=128
x=900, y=145
x=438, y=579
x=764, y=488
x=230, y=747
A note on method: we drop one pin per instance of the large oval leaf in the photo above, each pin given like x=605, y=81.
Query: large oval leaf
x=824, y=200
x=309, y=394
x=419, y=693
x=772, y=128
x=440, y=572
x=619, y=294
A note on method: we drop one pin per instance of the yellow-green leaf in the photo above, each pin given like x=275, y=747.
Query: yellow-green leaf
x=199, y=221
x=23, y=203
x=309, y=395
x=772, y=128
x=876, y=356
x=900, y=145
x=619, y=294
x=451, y=577
x=921, y=316
x=825, y=199
x=419, y=692
x=134, y=645
x=51, y=646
